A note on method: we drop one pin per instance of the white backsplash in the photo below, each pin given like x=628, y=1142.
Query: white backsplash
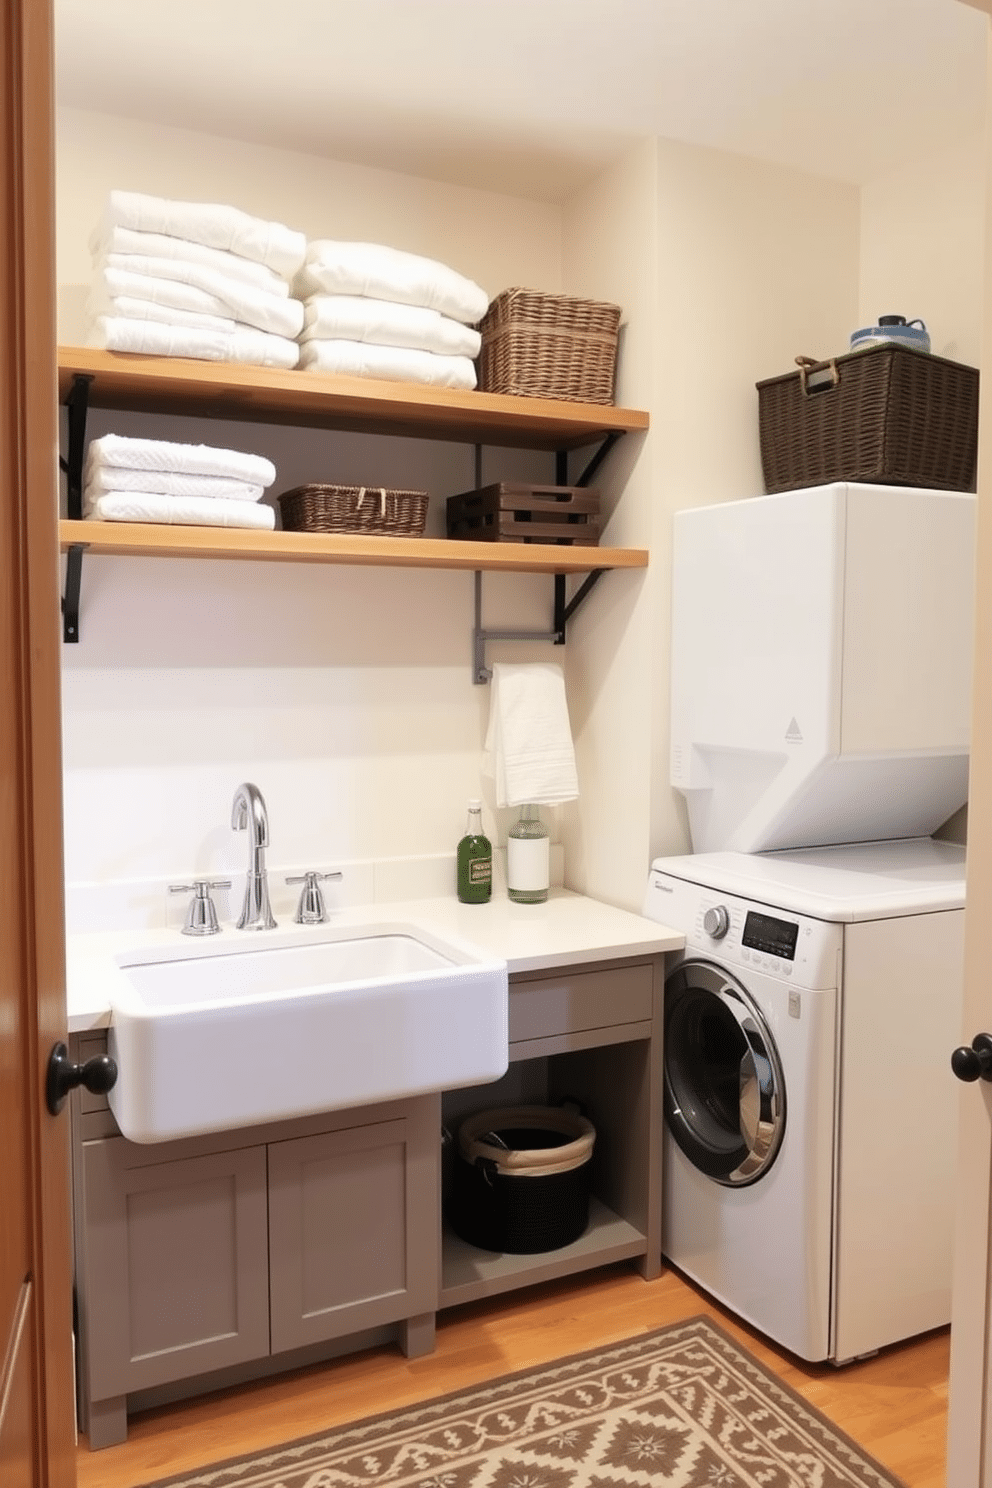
x=148, y=904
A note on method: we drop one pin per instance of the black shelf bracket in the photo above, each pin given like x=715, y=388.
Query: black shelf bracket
x=70, y=599
x=77, y=404
x=563, y=612
x=563, y=609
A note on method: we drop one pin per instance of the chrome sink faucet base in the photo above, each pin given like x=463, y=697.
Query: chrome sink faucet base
x=248, y=811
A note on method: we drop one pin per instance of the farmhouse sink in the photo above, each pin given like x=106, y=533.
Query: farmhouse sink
x=221, y=1037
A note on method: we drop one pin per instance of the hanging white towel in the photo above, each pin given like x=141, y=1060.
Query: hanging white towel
x=148, y=338
x=180, y=511
x=210, y=223
x=528, y=749
x=385, y=323
x=391, y=363
x=131, y=453
x=389, y=274
x=157, y=245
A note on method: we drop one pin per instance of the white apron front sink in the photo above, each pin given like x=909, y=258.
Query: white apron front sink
x=217, y=1037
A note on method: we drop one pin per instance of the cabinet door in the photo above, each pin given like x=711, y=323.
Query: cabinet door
x=175, y=1265
x=349, y=1238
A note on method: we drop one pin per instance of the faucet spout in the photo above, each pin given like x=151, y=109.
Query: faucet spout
x=248, y=812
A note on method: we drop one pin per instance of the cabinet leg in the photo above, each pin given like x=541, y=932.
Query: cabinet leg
x=107, y=1425
x=650, y=1267
x=417, y=1335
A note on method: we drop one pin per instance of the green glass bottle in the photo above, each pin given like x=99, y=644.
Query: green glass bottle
x=475, y=860
x=528, y=858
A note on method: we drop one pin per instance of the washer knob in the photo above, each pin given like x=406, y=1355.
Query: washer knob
x=716, y=922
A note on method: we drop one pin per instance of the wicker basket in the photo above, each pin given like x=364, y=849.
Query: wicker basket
x=537, y=345
x=521, y=1179
x=318, y=508
x=887, y=414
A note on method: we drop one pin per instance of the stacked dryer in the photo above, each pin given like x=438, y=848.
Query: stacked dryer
x=821, y=681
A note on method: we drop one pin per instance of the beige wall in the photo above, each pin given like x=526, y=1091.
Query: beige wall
x=347, y=694
x=757, y=264
x=921, y=235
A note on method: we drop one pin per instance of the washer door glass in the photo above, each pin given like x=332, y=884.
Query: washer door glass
x=724, y=1092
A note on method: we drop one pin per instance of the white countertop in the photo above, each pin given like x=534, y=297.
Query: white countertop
x=565, y=931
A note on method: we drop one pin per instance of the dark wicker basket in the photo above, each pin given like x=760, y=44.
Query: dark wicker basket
x=372, y=509
x=522, y=1212
x=888, y=414
x=537, y=345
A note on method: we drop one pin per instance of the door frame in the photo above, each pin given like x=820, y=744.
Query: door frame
x=32, y=915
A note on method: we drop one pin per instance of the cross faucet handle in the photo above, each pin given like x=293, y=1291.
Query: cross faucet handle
x=201, y=916
x=311, y=909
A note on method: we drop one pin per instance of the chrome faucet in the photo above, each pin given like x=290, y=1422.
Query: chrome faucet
x=249, y=811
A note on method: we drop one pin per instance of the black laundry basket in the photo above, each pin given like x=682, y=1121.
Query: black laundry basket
x=521, y=1178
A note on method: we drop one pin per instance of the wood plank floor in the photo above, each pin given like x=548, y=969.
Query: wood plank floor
x=894, y=1405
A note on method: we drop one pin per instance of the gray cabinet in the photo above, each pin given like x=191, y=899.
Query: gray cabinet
x=199, y=1262
x=206, y=1262
x=591, y=1034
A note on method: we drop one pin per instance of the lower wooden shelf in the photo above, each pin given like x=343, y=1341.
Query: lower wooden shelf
x=152, y=540
x=468, y=1273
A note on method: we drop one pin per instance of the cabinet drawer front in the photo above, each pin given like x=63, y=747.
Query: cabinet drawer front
x=583, y=1000
x=176, y=1274
x=338, y=1228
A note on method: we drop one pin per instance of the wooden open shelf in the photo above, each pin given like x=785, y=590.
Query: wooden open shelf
x=181, y=387
x=197, y=389
x=146, y=540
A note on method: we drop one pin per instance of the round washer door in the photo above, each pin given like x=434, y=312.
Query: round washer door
x=724, y=1091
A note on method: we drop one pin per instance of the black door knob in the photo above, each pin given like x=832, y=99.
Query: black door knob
x=98, y=1074
x=974, y=1063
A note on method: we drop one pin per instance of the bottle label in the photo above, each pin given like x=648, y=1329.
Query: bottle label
x=480, y=870
x=528, y=862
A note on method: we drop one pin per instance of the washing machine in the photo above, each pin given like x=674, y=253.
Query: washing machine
x=810, y=1109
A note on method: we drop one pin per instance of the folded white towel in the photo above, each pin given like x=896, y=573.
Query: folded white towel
x=157, y=245
x=212, y=224
x=528, y=749
x=100, y=302
x=100, y=481
x=391, y=363
x=148, y=338
x=168, y=293
x=180, y=511
x=389, y=274
x=125, y=451
x=252, y=306
x=385, y=323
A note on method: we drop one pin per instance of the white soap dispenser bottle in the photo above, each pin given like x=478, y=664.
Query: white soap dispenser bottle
x=528, y=858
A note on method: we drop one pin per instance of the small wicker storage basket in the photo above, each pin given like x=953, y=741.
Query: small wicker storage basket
x=521, y=1179
x=887, y=414
x=538, y=345
x=372, y=509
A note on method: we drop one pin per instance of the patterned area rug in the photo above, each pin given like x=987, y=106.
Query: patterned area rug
x=682, y=1407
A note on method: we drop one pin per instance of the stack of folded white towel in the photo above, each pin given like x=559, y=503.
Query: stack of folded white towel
x=153, y=480
x=373, y=311
x=194, y=279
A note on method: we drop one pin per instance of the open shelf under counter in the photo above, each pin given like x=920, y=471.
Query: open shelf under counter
x=180, y=386
x=468, y=1273
x=150, y=540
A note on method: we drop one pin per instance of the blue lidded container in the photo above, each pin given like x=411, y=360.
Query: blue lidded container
x=892, y=330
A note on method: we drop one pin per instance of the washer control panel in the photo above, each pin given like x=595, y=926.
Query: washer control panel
x=746, y=933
